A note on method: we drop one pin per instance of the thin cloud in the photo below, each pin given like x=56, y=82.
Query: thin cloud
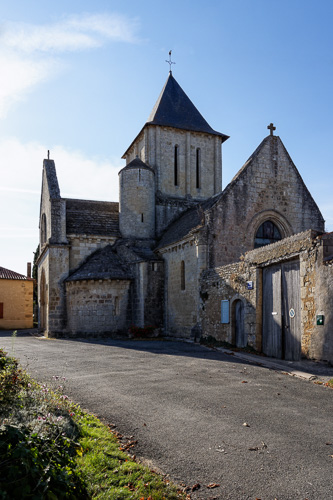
x=98, y=177
x=31, y=54
x=20, y=75
x=20, y=193
x=71, y=34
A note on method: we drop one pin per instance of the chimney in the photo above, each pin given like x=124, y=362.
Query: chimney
x=29, y=270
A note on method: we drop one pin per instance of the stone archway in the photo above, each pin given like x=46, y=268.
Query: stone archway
x=239, y=337
x=276, y=218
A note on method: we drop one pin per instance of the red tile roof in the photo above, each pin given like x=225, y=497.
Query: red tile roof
x=10, y=275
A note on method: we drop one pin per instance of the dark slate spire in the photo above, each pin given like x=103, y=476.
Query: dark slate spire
x=174, y=109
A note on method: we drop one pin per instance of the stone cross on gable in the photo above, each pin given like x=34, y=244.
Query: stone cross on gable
x=271, y=128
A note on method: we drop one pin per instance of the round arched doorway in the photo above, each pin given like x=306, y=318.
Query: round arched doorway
x=239, y=335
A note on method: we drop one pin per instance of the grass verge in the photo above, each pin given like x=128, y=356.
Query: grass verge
x=52, y=449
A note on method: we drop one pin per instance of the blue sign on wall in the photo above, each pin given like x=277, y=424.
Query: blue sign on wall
x=250, y=285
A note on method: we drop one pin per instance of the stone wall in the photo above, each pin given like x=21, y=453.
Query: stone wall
x=321, y=344
x=137, y=203
x=148, y=292
x=181, y=299
x=268, y=187
x=155, y=146
x=17, y=299
x=168, y=209
x=54, y=266
x=230, y=282
x=95, y=307
x=81, y=246
x=52, y=207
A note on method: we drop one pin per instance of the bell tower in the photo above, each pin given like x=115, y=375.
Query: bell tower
x=182, y=149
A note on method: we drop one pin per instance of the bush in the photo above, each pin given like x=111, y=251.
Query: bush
x=37, y=439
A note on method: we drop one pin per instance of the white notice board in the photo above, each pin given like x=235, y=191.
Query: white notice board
x=225, y=311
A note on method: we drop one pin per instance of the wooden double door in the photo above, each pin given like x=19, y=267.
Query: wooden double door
x=282, y=311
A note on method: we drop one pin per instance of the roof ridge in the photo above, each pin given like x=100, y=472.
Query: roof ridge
x=11, y=275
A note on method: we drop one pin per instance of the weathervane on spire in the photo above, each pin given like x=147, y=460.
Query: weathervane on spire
x=169, y=61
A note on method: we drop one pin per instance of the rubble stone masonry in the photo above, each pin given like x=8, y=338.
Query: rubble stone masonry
x=316, y=285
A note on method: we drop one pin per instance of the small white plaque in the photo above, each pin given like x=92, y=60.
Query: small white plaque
x=225, y=311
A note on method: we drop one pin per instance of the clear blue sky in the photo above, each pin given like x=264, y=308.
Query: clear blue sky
x=81, y=77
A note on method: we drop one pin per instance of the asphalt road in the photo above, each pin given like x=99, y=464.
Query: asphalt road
x=187, y=406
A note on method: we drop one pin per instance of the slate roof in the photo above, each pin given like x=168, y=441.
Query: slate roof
x=102, y=264
x=173, y=108
x=137, y=163
x=99, y=218
x=131, y=253
x=52, y=179
x=6, y=274
x=187, y=223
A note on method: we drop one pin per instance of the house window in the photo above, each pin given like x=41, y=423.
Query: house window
x=141, y=217
x=182, y=275
x=197, y=168
x=266, y=234
x=176, y=166
x=1, y=310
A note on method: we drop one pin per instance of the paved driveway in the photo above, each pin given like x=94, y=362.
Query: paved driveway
x=187, y=406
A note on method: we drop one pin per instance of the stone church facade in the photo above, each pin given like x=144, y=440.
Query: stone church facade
x=178, y=254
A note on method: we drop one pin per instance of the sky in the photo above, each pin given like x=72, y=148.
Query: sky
x=80, y=77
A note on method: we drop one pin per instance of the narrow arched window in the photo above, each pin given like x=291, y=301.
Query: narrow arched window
x=176, y=166
x=43, y=229
x=197, y=168
x=267, y=233
x=116, y=306
x=182, y=275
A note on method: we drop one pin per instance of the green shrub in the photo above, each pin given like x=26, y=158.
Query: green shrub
x=37, y=439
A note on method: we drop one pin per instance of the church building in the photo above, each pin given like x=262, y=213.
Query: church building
x=248, y=265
